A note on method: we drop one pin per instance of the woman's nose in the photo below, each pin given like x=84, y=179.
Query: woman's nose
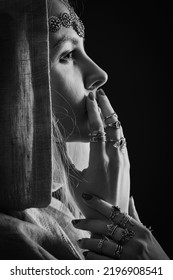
x=95, y=77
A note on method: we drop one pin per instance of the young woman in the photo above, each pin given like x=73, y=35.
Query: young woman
x=52, y=94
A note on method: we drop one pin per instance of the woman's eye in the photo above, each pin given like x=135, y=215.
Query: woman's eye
x=66, y=57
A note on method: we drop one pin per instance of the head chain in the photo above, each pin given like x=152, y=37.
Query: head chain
x=67, y=20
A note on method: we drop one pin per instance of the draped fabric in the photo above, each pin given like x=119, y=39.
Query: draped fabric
x=33, y=225
x=25, y=106
x=39, y=234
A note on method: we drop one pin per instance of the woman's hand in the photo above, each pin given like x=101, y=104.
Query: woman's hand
x=122, y=237
x=107, y=175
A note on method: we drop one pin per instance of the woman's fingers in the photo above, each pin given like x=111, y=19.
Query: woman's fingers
x=94, y=116
x=109, y=116
x=97, y=149
x=101, y=246
x=100, y=227
x=108, y=211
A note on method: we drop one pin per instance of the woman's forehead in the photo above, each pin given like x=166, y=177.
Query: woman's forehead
x=55, y=7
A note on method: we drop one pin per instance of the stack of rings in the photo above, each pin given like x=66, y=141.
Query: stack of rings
x=111, y=229
x=118, y=221
x=100, y=136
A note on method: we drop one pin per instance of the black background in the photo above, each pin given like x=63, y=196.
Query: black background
x=132, y=42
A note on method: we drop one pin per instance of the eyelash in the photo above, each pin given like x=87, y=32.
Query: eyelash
x=67, y=56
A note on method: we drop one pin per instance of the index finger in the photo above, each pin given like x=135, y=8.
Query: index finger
x=109, y=211
x=97, y=149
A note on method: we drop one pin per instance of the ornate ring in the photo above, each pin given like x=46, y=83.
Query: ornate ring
x=124, y=221
x=121, y=143
x=126, y=236
x=118, y=251
x=115, y=125
x=100, y=244
x=97, y=136
x=97, y=139
x=115, y=211
x=111, y=228
x=110, y=116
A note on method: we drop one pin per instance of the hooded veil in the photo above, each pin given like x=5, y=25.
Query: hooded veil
x=33, y=224
x=25, y=106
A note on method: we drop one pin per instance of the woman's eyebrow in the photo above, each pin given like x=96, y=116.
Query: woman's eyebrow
x=64, y=39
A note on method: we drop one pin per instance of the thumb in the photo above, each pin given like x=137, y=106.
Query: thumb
x=132, y=210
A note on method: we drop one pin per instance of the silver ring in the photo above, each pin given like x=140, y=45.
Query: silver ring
x=121, y=143
x=110, y=116
x=111, y=228
x=115, y=125
x=115, y=211
x=100, y=244
x=124, y=221
x=97, y=136
x=126, y=236
x=96, y=139
x=118, y=251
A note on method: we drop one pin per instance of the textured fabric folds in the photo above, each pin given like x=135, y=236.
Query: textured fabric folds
x=25, y=106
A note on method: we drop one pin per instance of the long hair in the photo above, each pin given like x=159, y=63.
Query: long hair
x=65, y=175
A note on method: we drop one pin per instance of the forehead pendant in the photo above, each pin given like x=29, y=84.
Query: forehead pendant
x=67, y=20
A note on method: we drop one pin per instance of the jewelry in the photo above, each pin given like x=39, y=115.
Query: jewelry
x=111, y=228
x=127, y=235
x=110, y=116
x=121, y=143
x=97, y=136
x=124, y=220
x=115, y=210
x=118, y=252
x=100, y=244
x=116, y=124
x=67, y=20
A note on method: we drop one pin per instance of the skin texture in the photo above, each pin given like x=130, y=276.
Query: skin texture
x=73, y=76
x=75, y=80
x=141, y=246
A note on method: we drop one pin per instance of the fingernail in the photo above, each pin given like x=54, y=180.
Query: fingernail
x=101, y=92
x=87, y=196
x=85, y=254
x=91, y=96
x=74, y=222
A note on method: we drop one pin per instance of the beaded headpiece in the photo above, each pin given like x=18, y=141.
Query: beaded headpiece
x=67, y=20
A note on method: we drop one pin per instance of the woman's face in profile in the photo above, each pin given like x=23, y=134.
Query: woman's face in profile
x=73, y=76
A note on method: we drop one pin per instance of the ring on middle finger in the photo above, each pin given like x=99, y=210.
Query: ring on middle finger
x=111, y=228
x=97, y=136
x=126, y=236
